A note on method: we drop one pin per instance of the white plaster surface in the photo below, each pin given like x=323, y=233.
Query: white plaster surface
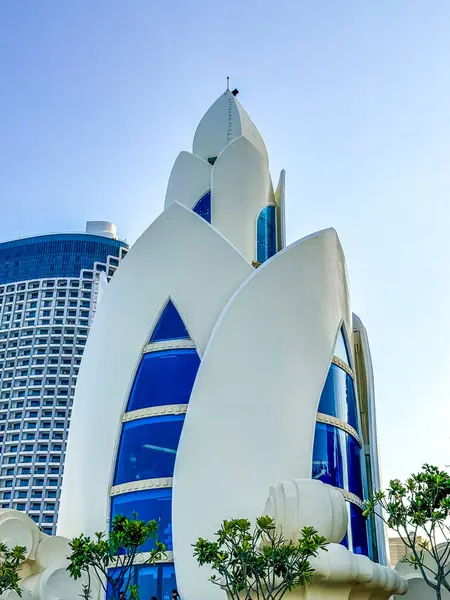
x=189, y=180
x=280, y=200
x=104, y=228
x=180, y=255
x=225, y=121
x=267, y=359
x=55, y=583
x=12, y=595
x=43, y=575
x=17, y=529
x=307, y=503
x=51, y=549
x=241, y=188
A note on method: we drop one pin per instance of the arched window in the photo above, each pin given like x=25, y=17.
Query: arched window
x=337, y=455
x=157, y=581
x=266, y=233
x=170, y=326
x=203, y=207
x=148, y=448
x=148, y=504
x=164, y=377
x=341, y=348
x=338, y=396
x=149, y=441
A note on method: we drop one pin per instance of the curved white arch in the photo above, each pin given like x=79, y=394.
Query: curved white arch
x=280, y=200
x=179, y=255
x=189, y=180
x=255, y=399
x=241, y=188
x=366, y=380
x=250, y=131
x=222, y=123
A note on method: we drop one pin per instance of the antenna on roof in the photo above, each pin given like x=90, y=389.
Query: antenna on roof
x=228, y=84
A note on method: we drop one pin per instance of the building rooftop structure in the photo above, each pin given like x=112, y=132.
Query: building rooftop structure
x=49, y=291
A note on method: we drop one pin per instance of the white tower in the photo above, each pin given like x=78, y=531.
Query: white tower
x=221, y=333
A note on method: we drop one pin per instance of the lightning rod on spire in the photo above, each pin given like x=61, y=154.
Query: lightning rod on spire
x=228, y=84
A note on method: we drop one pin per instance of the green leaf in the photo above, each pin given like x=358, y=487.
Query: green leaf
x=125, y=538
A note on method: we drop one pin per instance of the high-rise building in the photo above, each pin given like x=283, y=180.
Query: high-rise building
x=398, y=549
x=49, y=288
x=240, y=367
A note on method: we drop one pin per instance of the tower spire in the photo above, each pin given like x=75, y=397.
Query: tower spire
x=228, y=84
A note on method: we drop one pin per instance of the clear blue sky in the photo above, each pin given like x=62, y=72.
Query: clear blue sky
x=353, y=99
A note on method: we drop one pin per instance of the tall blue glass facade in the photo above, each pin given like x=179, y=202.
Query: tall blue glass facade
x=266, y=234
x=337, y=457
x=148, y=445
x=59, y=255
x=48, y=297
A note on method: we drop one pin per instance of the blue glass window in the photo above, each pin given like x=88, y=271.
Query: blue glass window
x=358, y=530
x=164, y=377
x=170, y=326
x=355, y=484
x=203, y=207
x=147, y=448
x=338, y=397
x=328, y=456
x=336, y=459
x=148, y=505
x=341, y=348
x=59, y=255
x=157, y=581
x=266, y=234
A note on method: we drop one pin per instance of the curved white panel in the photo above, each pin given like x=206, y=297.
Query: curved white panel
x=255, y=399
x=225, y=121
x=300, y=503
x=189, y=180
x=179, y=255
x=250, y=131
x=240, y=189
x=372, y=428
x=280, y=200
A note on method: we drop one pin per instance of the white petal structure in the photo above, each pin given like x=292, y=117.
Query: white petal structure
x=225, y=121
x=43, y=574
x=179, y=257
x=280, y=199
x=240, y=190
x=189, y=180
x=256, y=395
x=222, y=367
x=16, y=529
